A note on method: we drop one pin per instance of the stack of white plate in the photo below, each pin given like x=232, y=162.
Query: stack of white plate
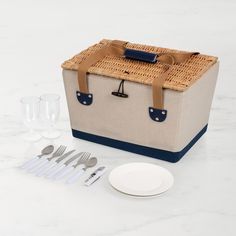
x=141, y=179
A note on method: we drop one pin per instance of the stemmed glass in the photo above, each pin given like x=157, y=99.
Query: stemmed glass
x=30, y=115
x=50, y=109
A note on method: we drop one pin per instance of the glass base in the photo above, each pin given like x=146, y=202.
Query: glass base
x=51, y=134
x=31, y=136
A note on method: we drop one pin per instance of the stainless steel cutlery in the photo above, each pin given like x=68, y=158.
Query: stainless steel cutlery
x=43, y=169
x=69, y=168
x=54, y=166
x=42, y=161
x=46, y=151
x=60, y=166
x=77, y=173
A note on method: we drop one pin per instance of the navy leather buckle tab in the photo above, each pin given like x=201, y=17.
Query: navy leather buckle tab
x=84, y=98
x=157, y=115
x=140, y=55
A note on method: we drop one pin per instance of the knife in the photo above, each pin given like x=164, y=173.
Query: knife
x=59, y=163
x=60, y=168
x=48, y=165
x=96, y=175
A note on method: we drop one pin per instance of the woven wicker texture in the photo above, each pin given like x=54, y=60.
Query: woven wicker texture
x=180, y=77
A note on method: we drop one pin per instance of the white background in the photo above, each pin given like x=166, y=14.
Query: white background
x=35, y=38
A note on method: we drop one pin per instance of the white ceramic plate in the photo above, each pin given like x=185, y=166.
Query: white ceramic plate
x=141, y=179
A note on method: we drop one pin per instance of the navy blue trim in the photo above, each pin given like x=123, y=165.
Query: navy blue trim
x=157, y=115
x=84, y=98
x=140, y=55
x=143, y=150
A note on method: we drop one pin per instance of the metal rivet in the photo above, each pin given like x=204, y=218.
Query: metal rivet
x=84, y=102
x=156, y=118
x=89, y=96
x=151, y=110
x=78, y=93
x=163, y=113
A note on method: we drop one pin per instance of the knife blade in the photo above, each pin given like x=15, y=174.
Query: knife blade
x=61, y=167
x=48, y=165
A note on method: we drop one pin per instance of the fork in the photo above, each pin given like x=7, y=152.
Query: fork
x=44, y=168
x=43, y=161
x=68, y=168
x=60, y=165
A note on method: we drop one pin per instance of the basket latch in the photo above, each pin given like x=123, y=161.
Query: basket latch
x=120, y=92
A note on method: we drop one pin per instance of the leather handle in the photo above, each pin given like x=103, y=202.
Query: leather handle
x=167, y=59
x=140, y=55
x=117, y=48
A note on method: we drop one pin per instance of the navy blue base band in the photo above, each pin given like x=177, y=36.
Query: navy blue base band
x=139, y=149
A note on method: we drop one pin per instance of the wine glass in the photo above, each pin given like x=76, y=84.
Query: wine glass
x=49, y=110
x=30, y=115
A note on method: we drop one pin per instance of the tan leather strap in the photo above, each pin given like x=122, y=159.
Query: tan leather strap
x=115, y=48
x=168, y=59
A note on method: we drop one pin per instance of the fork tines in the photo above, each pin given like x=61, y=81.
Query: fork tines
x=84, y=157
x=59, y=151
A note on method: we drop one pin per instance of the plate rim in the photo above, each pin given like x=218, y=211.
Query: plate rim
x=171, y=177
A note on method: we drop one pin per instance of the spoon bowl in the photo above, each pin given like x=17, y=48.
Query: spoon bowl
x=91, y=162
x=88, y=164
x=47, y=150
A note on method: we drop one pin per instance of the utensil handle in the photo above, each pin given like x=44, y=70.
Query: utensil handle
x=50, y=173
x=40, y=172
x=59, y=175
x=29, y=162
x=74, y=177
x=38, y=164
x=51, y=167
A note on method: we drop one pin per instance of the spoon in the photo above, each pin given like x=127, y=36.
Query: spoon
x=46, y=151
x=76, y=174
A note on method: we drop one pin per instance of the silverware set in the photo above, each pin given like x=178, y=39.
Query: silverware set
x=68, y=168
x=55, y=167
x=43, y=161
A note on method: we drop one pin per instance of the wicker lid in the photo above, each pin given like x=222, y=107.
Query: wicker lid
x=180, y=77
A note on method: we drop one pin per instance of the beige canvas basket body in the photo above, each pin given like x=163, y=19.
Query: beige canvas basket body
x=148, y=100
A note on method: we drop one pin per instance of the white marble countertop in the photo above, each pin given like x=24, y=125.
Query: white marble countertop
x=35, y=38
